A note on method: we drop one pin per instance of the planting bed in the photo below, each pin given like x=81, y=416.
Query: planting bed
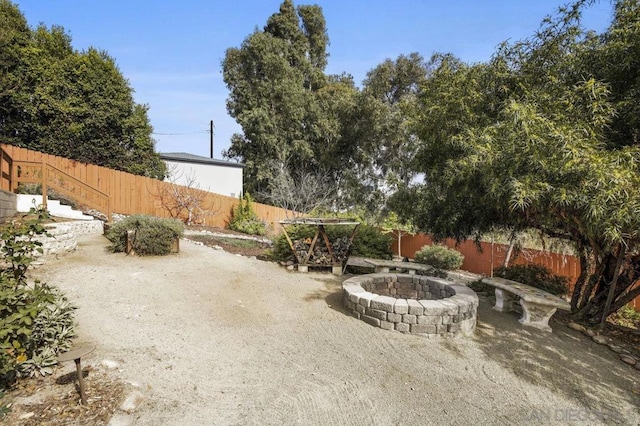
x=412, y=303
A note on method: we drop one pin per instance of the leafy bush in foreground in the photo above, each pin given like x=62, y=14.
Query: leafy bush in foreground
x=153, y=235
x=36, y=320
x=440, y=257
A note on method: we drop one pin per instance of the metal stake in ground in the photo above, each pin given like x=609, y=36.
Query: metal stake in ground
x=75, y=355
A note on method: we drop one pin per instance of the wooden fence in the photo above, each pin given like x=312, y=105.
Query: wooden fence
x=490, y=255
x=132, y=194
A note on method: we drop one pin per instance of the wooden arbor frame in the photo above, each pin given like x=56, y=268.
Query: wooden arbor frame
x=303, y=263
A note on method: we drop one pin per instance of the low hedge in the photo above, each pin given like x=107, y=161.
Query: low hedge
x=440, y=257
x=153, y=235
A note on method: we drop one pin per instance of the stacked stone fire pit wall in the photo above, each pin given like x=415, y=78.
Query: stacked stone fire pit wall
x=412, y=303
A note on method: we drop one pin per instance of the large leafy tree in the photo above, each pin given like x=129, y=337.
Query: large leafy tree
x=298, y=121
x=73, y=104
x=384, y=133
x=14, y=39
x=290, y=111
x=542, y=136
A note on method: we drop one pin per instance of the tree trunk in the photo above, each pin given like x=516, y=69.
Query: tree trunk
x=594, y=278
x=594, y=301
x=584, y=275
x=507, y=257
x=612, y=286
x=622, y=300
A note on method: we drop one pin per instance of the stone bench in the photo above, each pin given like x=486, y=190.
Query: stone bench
x=537, y=305
x=384, y=266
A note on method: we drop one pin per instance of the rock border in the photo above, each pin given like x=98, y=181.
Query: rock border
x=625, y=356
x=439, y=307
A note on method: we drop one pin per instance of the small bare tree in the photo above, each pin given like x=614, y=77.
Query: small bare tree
x=299, y=192
x=185, y=200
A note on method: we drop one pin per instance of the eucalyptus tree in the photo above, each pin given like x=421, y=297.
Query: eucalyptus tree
x=386, y=110
x=290, y=111
x=540, y=137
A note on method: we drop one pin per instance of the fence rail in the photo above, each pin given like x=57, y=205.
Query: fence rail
x=49, y=176
x=132, y=194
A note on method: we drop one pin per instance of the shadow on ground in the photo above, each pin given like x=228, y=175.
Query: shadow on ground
x=565, y=361
x=69, y=378
x=331, y=293
x=596, y=379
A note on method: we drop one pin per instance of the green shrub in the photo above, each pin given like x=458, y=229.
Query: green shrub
x=626, y=316
x=36, y=320
x=244, y=219
x=536, y=276
x=153, y=235
x=440, y=257
x=18, y=309
x=368, y=242
x=5, y=408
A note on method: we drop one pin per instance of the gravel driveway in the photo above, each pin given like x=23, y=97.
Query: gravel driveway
x=215, y=338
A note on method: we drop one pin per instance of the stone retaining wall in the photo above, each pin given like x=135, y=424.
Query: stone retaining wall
x=412, y=303
x=63, y=235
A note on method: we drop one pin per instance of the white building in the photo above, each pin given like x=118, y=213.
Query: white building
x=217, y=176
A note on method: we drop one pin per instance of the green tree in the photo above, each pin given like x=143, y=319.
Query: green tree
x=532, y=139
x=294, y=116
x=392, y=225
x=281, y=97
x=386, y=110
x=69, y=103
x=14, y=39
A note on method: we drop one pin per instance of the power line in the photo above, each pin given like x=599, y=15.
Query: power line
x=180, y=134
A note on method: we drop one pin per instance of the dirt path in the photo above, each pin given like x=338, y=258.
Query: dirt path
x=214, y=338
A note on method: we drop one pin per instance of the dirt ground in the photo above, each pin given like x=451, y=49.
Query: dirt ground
x=209, y=337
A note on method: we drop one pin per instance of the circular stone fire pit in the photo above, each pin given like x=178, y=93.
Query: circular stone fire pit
x=412, y=303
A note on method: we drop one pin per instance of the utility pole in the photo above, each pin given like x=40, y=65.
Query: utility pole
x=211, y=136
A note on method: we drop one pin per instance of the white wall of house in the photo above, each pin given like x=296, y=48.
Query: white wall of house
x=219, y=179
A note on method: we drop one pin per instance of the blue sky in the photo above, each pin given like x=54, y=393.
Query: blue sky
x=171, y=51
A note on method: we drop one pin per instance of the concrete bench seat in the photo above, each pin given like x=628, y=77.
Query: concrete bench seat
x=538, y=306
x=384, y=266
